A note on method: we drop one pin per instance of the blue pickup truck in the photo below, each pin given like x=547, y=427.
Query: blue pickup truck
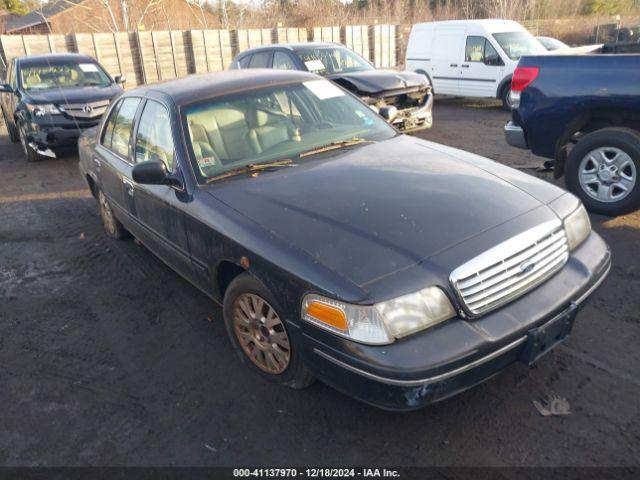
x=583, y=113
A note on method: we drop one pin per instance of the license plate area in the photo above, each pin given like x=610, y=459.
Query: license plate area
x=542, y=339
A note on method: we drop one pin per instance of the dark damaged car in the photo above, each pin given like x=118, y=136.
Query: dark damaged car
x=396, y=270
x=48, y=100
x=402, y=98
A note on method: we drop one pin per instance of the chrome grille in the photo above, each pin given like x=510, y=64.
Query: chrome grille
x=511, y=268
x=85, y=110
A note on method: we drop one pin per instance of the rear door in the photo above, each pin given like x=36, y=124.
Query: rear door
x=158, y=209
x=447, y=56
x=113, y=156
x=482, y=68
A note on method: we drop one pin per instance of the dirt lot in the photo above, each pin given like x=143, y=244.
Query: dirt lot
x=109, y=358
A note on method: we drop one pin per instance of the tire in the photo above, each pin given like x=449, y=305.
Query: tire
x=30, y=154
x=506, y=97
x=111, y=224
x=602, y=150
x=276, y=356
x=11, y=129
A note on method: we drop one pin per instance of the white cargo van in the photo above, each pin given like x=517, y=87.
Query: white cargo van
x=470, y=58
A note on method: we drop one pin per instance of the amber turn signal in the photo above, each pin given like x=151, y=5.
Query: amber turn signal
x=324, y=313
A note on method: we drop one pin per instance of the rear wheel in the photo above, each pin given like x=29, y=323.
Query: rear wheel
x=602, y=169
x=111, y=224
x=507, y=104
x=11, y=129
x=255, y=325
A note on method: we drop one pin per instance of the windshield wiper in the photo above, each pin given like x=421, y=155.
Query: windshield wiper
x=253, y=168
x=335, y=146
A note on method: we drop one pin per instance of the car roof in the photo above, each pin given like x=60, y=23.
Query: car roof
x=291, y=46
x=208, y=85
x=55, y=57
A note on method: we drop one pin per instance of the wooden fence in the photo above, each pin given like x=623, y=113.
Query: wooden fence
x=147, y=57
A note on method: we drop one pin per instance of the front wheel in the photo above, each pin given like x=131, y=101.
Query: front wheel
x=602, y=169
x=30, y=154
x=255, y=325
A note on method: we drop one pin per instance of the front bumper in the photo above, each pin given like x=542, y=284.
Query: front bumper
x=515, y=135
x=46, y=137
x=459, y=354
x=416, y=118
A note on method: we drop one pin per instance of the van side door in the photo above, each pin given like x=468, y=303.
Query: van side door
x=446, y=59
x=482, y=68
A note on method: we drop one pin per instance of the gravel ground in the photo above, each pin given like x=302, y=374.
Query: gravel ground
x=107, y=357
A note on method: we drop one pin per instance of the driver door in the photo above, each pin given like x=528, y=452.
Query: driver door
x=157, y=210
x=482, y=68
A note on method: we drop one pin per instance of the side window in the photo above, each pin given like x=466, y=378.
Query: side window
x=260, y=60
x=474, y=52
x=122, y=127
x=283, y=61
x=154, y=140
x=491, y=56
x=107, y=132
x=244, y=61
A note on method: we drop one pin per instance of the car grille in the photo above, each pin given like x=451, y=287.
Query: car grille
x=510, y=269
x=85, y=111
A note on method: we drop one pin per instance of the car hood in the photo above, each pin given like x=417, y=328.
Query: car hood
x=377, y=81
x=376, y=209
x=74, y=95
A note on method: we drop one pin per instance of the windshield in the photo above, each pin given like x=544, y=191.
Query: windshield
x=276, y=123
x=551, y=43
x=517, y=44
x=63, y=75
x=327, y=61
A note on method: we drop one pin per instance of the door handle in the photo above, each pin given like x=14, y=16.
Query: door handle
x=453, y=65
x=129, y=184
x=97, y=162
x=465, y=66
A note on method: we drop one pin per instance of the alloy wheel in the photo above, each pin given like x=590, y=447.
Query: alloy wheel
x=261, y=333
x=607, y=174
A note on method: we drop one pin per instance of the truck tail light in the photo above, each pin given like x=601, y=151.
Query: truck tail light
x=522, y=77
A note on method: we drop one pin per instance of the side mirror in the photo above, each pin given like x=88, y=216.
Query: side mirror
x=5, y=88
x=154, y=172
x=120, y=79
x=389, y=113
x=493, y=61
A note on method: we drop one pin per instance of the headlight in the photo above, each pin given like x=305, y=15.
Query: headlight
x=383, y=322
x=577, y=226
x=42, y=110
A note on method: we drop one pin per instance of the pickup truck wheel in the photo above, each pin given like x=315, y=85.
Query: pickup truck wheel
x=256, y=328
x=602, y=169
x=111, y=224
x=30, y=154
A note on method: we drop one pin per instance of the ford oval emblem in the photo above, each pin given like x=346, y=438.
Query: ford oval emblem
x=526, y=267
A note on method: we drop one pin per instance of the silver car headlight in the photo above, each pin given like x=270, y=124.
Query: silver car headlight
x=382, y=322
x=577, y=226
x=43, y=109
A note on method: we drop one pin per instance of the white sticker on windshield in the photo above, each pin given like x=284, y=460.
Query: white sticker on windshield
x=314, y=65
x=88, y=67
x=323, y=89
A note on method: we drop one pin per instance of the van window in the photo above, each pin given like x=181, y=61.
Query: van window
x=517, y=44
x=474, y=52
